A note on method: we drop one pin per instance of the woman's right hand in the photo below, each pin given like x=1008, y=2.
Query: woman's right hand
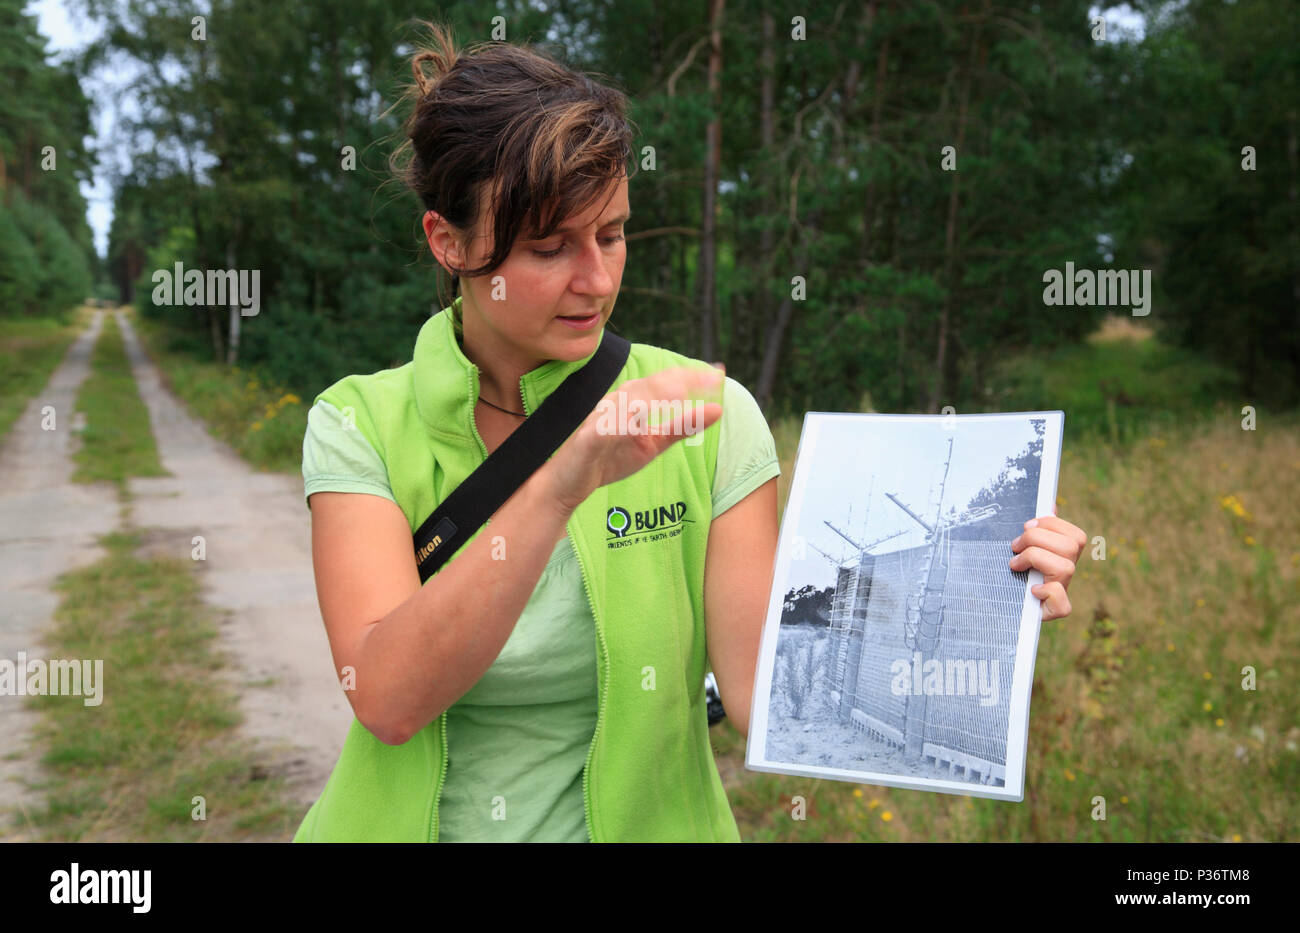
x=603, y=451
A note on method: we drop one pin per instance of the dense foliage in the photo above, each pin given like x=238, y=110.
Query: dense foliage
x=893, y=181
x=45, y=248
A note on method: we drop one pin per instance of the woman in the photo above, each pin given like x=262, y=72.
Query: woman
x=547, y=683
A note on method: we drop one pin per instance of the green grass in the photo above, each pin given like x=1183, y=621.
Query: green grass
x=1116, y=386
x=117, y=441
x=165, y=731
x=30, y=349
x=264, y=423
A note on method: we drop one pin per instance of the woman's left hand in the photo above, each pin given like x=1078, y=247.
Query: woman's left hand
x=1051, y=546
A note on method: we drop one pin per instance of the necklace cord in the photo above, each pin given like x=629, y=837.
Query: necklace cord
x=517, y=414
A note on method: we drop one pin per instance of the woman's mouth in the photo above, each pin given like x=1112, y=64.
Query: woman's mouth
x=581, y=323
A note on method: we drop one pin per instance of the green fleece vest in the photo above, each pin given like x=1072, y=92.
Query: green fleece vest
x=650, y=773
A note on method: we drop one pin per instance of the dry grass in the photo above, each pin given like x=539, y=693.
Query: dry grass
x=1121, y=327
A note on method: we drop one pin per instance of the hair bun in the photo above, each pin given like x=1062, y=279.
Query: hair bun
x=442, y=65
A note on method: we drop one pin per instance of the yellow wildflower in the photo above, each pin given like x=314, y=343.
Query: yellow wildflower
x=1235, y=506
x=1218, y=722
x=857, y=792
x=1207, y=706
x=886, y=816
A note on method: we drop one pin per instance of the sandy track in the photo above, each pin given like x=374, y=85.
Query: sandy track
x=48, y=526
x=257, y=533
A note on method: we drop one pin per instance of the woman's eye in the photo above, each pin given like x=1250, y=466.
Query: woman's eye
x=552, y=253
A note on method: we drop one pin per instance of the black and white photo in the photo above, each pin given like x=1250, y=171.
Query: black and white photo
x=898, y=646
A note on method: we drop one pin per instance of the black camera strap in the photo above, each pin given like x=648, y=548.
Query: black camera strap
x=473, y=502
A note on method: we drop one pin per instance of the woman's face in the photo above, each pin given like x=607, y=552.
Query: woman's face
x=514, y=315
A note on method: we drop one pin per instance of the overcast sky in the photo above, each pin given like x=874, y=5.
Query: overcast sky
x=67, y=33
x=858, y=459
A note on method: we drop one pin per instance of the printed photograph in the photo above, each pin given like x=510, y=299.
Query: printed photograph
x=899, y=644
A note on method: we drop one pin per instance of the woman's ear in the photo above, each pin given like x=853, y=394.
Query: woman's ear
x=442, y=242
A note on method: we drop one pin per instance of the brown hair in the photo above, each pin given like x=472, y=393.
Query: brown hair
x=507, y=122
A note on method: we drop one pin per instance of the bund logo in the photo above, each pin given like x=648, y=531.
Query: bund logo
x=627, y=527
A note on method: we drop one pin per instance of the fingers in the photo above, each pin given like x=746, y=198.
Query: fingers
x=690, y=422
x=681, y=401
x=686, y=383
x=1050, y=545
x=1050, y=564
x=1056, y=604
x=1061, y=526
x=1049, y=540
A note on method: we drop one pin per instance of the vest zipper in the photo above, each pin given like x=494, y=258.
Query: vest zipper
x=600, y=710
x=604, y=694
x=446, y=756
x=604, y=652
x=442, y=775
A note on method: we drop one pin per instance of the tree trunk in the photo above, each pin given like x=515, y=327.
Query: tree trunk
x=877, y=103
x=941, y=362
x=1292, y=157
x=236, y=318
x=750, y=341
x=775, y=341
x=712, y=166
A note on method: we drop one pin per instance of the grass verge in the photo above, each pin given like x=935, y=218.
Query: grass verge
x=30, y=349
x=134, y=767
x=117, y=441
x=264, y=423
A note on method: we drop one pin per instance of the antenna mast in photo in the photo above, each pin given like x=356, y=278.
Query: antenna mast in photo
x=925, y=607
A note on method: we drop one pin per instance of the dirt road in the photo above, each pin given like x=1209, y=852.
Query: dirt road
x=256, y=532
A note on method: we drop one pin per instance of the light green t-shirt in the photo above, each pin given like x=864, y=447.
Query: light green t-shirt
x=517, y=740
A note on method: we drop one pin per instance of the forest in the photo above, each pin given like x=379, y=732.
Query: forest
x=856, y=206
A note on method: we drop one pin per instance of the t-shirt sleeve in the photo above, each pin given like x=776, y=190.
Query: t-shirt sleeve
x=336, y=457
x=746, y=449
